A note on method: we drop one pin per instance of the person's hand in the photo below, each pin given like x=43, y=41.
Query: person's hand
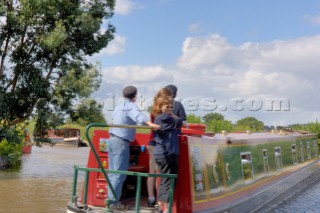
x=173, y=115
x=155, y=126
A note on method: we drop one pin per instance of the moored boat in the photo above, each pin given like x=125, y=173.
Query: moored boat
x=27, y=148
x=27, y=144
x=66, y=136
x=235, y=172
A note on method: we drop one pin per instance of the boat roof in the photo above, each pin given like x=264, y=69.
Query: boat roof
x=260, y=135
x=245, y=138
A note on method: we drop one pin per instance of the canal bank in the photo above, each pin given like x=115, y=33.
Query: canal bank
x=42, y=183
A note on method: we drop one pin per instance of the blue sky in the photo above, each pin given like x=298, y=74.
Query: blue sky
x=229, y=57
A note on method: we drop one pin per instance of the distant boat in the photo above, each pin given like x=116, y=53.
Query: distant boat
x=66, y=136
x=27, y=146
x=27, y=149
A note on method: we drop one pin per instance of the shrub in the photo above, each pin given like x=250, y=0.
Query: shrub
x=10, y=152
x=10, y=146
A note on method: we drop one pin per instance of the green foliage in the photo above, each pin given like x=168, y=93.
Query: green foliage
x=249, y=123
x=11, y=146
x=88, y=111
x=212, y=116
x=218, y=126
x=10, y=151
x=42, y=122
x=192, y=118
x=44, y=45
x=215, y=122
x=298, y=126
x=313, y=127
x=11, y=134
x=76, y=84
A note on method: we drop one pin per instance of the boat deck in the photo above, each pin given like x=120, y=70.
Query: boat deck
x=130, y=203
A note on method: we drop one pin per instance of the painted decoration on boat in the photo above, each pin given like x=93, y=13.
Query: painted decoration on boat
x=219, y=169
x=103, y=145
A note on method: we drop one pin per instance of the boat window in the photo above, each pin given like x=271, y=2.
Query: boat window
x=308, y=150
x=315, y=147
x=301, y=151
x=265, y=161
x=294, y=153
x=278, y=157
x=246, y=163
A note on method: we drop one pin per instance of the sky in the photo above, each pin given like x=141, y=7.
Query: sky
x=238, y=58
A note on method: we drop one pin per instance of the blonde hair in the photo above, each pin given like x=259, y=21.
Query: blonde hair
x=163, y=97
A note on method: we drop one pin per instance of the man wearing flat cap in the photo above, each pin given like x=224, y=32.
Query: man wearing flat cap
x=126, y=113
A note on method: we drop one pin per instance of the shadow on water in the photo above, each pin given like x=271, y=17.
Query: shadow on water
x=43, y=182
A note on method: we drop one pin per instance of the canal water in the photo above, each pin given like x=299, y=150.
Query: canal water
x=43, y=183
x=306, y=201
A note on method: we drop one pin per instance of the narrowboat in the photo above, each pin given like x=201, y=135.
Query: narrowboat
x=66, y=136
x=227, y=172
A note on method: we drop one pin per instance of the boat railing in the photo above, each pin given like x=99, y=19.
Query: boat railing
x=105, y=171
x=139, y=176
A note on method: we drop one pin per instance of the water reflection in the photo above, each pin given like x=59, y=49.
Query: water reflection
x=44, y=181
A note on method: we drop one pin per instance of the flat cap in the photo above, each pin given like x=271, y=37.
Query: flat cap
x=129, y=92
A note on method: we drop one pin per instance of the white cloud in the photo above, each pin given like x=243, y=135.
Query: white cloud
x=199, y=51
x=256, y=67
x=210, y=67
x=135, y=73
x=294, y=56
x=313, y=19
x=116, y=46
x=124, y=7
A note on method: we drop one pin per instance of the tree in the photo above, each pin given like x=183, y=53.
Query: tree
x=192, y=118
x=212, y=116
x=88, y=111
x=249, y=123
x=313, y=127
x=218, y=126
x=43, y=50
x=298, y=126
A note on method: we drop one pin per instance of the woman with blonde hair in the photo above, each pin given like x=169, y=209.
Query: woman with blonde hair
x=163, y=93
x=166, y=148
